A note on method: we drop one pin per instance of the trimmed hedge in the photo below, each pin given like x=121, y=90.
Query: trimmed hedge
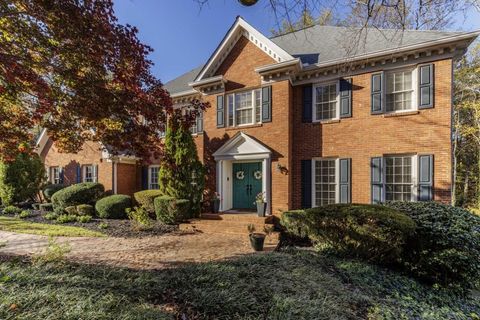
x=11, y=210
x=145, y=199
x=113, y=207
x=446, y=248
x=85, y=210
x=49, y=190
x=170, y=210
x=81, y=193
x=371, y=232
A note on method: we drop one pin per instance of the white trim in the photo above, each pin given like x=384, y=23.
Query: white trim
x=235, y=109
x=337, y=179
x=115, y=178
x=254, y=149
x=414, y=173
x=150, y=176
x=414, y=103
x=314, y=100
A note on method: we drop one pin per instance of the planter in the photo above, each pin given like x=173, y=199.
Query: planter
x=261, y=208
x=257, y=240
x=215, y=205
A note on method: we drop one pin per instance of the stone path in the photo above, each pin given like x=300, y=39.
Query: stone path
x=141, y=253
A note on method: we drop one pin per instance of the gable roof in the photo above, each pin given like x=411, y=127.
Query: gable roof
x=180, y=84
x=241, y=145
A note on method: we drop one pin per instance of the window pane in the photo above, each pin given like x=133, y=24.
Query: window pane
x=326, y=102
x=230, y=110
x=398, y=178
x=325, y=183
x=399, y=90
x=258, y=105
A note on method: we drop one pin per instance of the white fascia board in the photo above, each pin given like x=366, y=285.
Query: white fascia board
x=276, y=66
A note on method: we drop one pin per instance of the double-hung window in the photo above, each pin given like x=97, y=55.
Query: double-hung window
x=90, y=173
x=399, y=178
x=326, y=101
x=325, y=181
x=55, y=175
x=153, y=177
x=244, y=108
x=400, y=93
x=197, y=126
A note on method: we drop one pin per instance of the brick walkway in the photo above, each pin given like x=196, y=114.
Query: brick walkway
x=141, y=253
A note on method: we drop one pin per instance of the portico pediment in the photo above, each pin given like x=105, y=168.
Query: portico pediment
x=242, y=146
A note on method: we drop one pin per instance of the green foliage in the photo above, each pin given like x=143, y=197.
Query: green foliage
x=51, y=216
x=140, y=218
x=181, y=174
x=66, y=218
x=170, y=210
x=24, y=214
x=50, y=189
x=11, y=210
x=46, y=207
x=371, y=232
x=55, y=253
x=113, y=207
x=36, y=206
x=145, y=199
x=72, y=210
x=21, y=179
x=446, y=246
x=103, y=225
x=84, y=219
x=85, y=210
x=81, y=193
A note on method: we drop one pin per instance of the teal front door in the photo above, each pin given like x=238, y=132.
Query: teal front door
x=247, y=183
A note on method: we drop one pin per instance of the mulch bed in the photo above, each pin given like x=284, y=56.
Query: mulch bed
x=116, y=228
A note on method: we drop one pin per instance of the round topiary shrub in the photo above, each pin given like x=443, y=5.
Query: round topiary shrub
x=370, y=232
x=446, y=246
x=145, y=199
x=85, y=210
x=113, y=207
x=50, y=189
x=81, y=193
x=170, y=210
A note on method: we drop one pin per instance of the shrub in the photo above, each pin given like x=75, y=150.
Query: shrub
x=72, y=210
x=24, y=214
x=51, y=216
x=46, y=207
x=85, y=210
x=84, y=219
x=103, y=225
x=140, y=218
x=81, y=193
x=11, y=210
x=50, y=189
x=113, y=207
x=371, y=232
x=65, y=218
x=36, y=206
x=145, y=199
x=170, y=210
x=446, y=246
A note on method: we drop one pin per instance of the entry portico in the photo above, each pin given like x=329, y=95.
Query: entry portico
x=243, y=170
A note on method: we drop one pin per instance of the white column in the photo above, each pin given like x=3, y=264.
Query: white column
x=267, y=183
x=219, y=181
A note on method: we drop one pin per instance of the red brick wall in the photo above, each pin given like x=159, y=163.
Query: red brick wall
x=127, y=178
x=364, y=136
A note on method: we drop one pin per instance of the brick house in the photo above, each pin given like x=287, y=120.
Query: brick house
x=307, y=120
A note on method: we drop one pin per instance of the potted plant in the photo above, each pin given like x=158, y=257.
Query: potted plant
x=256, y=239
x=216, y=202
x=261, y=204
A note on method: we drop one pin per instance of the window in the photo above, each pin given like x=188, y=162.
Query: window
x=153, y=177
x=55, y=175
x=398, y=178
x=325, y=182
x=326, y=102
x=89, y=173
x=197, y=126
x=244, y=108
x=399, y=94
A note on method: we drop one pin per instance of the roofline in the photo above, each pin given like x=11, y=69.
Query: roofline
x=465, y=36
x=183, y=93
x=275, y=66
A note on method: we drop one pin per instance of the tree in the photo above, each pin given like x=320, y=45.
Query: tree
x=181, y=173
x=22, y=179
x=69, y=67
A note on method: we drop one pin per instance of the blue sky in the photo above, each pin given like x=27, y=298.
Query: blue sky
x=184, y=36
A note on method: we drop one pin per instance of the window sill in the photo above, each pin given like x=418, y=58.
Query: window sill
x=401, y=114
x=326, y=121
x=248, y=126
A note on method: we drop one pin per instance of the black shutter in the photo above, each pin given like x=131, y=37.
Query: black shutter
x=377, y=93
x=345, y=98
x=267, y=104
x=425, y=86
x=220, y=112
x=306, y=188
x=79, y=173
x=307, y=104
x=425, y=178
x=144, y=178
x=376, y=166
x=345, y=180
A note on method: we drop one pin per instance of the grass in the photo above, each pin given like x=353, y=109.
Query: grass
x=21, y=226
x=285, y=285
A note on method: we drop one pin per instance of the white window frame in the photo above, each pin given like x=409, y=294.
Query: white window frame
x=414, y=70
x=314, y=100
x=234, y=110
x=414, y=161
x=337, y=180
x=150, y=183
x=94, y=173
x=194, y=128
x=55, y=175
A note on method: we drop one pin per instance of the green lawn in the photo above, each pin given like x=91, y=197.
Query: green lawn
x=285, y=285
x=52, y=230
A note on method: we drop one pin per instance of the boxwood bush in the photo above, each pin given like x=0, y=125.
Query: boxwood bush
x=81, y=193
x=11, y=210
x=85, y=210
x=446, y=246
x=145, y=199
x=113, y=207
x=371, y=232
x=170, y=210
x=50, y=189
